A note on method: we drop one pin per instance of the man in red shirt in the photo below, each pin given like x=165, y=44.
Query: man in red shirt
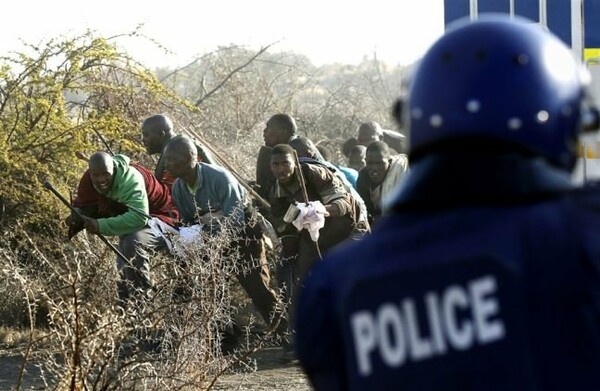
x=117, y=198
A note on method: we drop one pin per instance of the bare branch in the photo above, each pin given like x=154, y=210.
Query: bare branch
x=176, y=71
x=244, y=65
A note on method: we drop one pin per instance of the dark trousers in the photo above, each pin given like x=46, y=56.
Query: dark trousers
x=299, y=254
x=336, y=230
x=255, y=278
x=135, y=271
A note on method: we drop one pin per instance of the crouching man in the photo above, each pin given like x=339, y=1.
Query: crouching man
x=209, y=194
x=117, y=198
x=309, y=229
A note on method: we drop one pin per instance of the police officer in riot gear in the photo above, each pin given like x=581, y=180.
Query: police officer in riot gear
x=485, y=274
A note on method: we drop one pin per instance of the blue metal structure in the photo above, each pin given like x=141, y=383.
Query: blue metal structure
x=558, y=15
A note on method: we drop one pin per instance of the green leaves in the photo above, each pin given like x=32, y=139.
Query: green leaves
x=54, y=100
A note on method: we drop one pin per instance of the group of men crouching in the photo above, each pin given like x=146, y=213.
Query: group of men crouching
x=313, y=206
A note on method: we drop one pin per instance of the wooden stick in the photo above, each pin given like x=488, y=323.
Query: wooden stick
x=49, y=186
x=300, y=176
x=233, y=171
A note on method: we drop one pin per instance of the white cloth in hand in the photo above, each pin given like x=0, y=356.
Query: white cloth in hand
x=311, y=217
x=187, y=236
x=176, y=240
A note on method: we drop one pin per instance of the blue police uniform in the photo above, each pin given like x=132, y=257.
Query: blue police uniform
x=502, y=295
x=485, y=275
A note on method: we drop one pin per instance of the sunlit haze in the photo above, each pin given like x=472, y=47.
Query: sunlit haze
x=327, y=31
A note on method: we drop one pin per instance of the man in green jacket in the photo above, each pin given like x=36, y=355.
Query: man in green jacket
x=117, y=199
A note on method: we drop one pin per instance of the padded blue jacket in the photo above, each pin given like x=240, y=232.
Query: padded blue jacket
x=485, y=275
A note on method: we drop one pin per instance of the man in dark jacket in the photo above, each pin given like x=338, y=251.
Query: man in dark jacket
x=280, y=129
x=157, y=132
x=343, y=218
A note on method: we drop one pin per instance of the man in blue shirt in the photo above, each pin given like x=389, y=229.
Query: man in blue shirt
x=157, y=132
x=486, y=273
x=209, y=194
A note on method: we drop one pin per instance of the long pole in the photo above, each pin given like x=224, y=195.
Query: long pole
x=577, y=48
x=543, y=14
x=300, y=176
x=473, y=9
x=225, y=163
x=49, y=186
x=103, y=141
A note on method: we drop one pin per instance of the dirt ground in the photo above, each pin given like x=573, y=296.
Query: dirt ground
x=10, y=367
x=272, y=374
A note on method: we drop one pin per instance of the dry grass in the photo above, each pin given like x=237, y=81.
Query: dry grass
x=169, y=338
x=12, y=338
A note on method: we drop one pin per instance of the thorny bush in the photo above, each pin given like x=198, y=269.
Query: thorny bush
x=58, y=99
x=167, y=338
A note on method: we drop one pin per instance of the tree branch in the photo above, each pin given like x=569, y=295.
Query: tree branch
x=176, y=71
x=236, y=70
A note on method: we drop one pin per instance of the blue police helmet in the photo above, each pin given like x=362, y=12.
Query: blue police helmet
x=499, y=78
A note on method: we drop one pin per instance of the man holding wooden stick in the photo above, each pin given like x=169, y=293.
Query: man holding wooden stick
x=117, y=198
x=309, y=184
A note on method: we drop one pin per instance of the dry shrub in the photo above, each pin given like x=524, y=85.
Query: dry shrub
x=167, y=338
